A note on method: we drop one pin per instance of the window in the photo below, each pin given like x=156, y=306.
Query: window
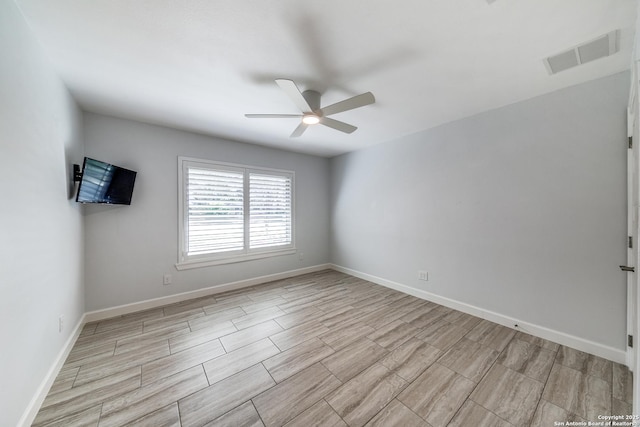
x=230, y=213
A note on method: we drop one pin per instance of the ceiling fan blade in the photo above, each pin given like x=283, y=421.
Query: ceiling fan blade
x=294, y=93
x=272, y=116
x=338, y=125
x=349, y=104
x=299, y=130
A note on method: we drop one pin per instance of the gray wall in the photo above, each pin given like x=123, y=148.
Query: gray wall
x=520, y=210
x=129, y=248
x=41, y=243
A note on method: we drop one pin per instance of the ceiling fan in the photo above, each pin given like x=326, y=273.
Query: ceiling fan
x=309, y=103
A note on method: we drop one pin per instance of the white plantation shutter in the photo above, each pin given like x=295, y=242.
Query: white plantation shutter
x=231, y=213
x=270, y=210
x=215, y=211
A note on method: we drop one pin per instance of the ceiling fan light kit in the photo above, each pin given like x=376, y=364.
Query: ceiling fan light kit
x=309, y=104
x=310, y=119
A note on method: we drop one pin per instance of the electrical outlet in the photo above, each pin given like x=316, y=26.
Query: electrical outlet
x=60, y=323
x=423, y=275
x=166, y=280
x=300, y=256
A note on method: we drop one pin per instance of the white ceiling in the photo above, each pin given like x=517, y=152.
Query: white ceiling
x=201, y=65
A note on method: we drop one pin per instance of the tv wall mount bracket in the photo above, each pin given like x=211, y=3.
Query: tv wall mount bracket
x=77, y=173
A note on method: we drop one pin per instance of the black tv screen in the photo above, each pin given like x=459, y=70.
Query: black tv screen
x=105, y=183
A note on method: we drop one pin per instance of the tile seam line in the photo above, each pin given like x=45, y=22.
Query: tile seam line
x=478, y=383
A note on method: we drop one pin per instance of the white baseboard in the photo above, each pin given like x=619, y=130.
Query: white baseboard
x=106, y=313
x=610, y=353
x=34, y=406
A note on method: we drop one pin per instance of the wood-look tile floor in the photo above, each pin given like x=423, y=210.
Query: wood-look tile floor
x=324, y=349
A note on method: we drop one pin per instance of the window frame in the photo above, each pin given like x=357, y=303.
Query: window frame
x=246, y=254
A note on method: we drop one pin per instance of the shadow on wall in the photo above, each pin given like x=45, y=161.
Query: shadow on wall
x=68, y=164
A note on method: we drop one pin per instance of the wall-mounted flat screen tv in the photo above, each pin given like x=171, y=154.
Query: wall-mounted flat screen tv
x=105, y=183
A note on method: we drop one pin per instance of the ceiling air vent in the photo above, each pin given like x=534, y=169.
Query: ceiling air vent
x=595, y=49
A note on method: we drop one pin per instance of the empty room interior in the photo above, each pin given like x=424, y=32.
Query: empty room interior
x=359, y=213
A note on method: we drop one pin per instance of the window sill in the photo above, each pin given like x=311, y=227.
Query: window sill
x=199, y=263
